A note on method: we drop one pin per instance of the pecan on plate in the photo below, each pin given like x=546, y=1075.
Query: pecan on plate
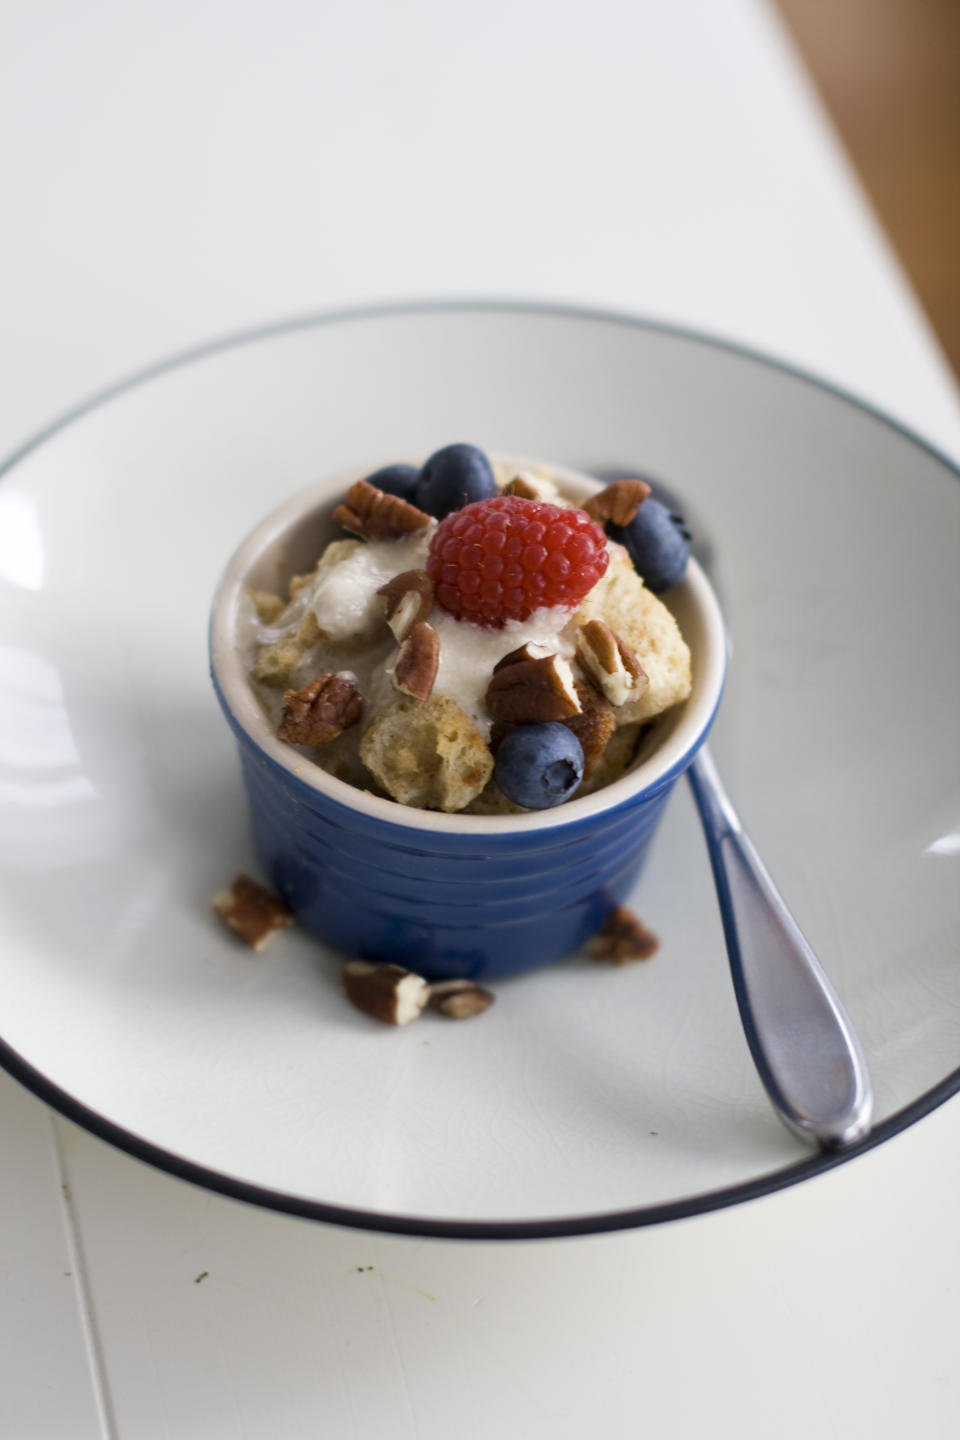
x=623, y=937
x=252, y=912
x=460, y=999
x=387, y=992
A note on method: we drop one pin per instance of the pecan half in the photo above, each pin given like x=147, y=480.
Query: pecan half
x=531, y=692
x=623, y=937
x=374, y=515
x=610, y=662
x=593, y=726
x=618, y=503
x=387, y=992
x=406, y=598
x=320, y=711
x=460, y=999
x=418, y=661
x=252, y=912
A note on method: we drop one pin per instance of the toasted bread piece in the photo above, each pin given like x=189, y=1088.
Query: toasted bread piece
x=645, y=624
x=268, y=606
x=277, y=661
x=427, y=753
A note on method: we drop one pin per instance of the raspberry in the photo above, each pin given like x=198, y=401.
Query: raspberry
x=501, y=559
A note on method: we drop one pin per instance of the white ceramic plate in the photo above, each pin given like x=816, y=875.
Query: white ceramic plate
x=588, y=1098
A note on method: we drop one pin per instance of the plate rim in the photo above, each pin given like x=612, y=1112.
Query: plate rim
x=438, y=1227
x=231, y=1187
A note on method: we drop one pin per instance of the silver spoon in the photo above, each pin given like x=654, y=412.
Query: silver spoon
x=803, y=1044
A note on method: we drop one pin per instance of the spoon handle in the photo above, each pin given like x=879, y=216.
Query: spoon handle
x=802, y=1042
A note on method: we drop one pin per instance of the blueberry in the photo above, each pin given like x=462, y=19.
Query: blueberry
x=539, y=765
x=454, y=477
x=658, y=543
x=396, y=480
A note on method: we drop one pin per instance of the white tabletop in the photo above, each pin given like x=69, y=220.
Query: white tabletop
x=174, y=172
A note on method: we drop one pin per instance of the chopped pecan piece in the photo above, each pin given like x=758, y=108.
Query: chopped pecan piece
x=531, y=692
x=250, y=910
x=418, y=661
x=611, y=663
x=528, y=651
x=320, y=711
x=374, y=515
x=593, y=727
x=618, y=503
x=521, y=486
x=406, y=598
x=460, y=999
x=623, y=937
x=387, y=992
x=530, y=486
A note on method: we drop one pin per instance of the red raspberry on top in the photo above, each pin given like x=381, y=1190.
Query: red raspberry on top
x=501, y=559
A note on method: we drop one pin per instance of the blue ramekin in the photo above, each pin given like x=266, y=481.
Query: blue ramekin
x=445, y=895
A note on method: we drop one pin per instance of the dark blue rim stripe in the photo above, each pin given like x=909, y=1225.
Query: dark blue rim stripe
x=236, y=1189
